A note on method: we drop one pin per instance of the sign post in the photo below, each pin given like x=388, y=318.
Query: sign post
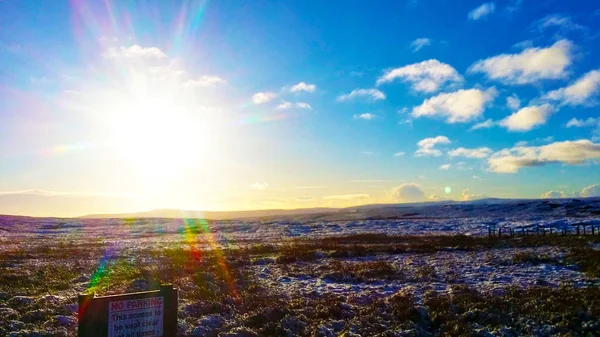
x=144, y=314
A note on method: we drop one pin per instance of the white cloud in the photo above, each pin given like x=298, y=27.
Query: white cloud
x=409, y=192
x=528, y=66
x=134, y=52
x=427, y=146
x=445, y=167
x=488, y=123
x=366, y=116
x=399, y=154
x=285, y=105
x=566, y=152
x=466, y=195
x=527, y=118
x=426, y=76
x=479, y=153
x=419, y=43
x=557, y=21
x=579, y=123
x=302, y=86
x=579, y=92
x=590, y=191
x=303, y=105
x=369, y=94
x=482, y=11
x=456, y=107
x=263, y=97
x=205, y=81
x=259, y=186
x=553, y=195
x=513, y=102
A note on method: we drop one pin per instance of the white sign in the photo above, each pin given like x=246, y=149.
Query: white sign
x=136, y=318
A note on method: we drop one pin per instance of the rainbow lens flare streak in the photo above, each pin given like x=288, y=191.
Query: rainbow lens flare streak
x=199, y=226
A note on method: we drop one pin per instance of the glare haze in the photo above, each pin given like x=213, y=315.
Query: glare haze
x=125, y=106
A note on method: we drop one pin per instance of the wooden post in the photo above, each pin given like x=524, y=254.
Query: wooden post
x=593, y=232
x=550, y=230
x=577, y=229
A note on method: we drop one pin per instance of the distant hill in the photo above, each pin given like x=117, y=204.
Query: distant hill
x=491, y=207
x=226, y=215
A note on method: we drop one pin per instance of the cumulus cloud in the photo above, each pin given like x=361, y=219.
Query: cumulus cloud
x=302, y=86
x=579, y=123
x=568, y=152
x=527, y=118
x=205, y=81
x=488, y=123
x=427, y=146
x=456, y=107
x=134, y=52
x=466, y=195
x=369, y=94
x=590, y=191
x=426, y=76
x=578, y=93
x=366, y=116
x=285, y=105
x=528, y=66
x=553, y=195
x=513, y=102
x=419, y=43
x=479, y=153
x=482, y=11
x=263, y=97
x=408, y=192
x=445, y=167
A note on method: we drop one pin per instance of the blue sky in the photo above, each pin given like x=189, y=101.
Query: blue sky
x=129, y=105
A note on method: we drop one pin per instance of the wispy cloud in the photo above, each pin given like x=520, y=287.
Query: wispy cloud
x=528, y=66
x=419, y=43
x=488, y=123
x=399, y=154
x=205, y=81
x=134, y=52
x=427, y=146
x=285, y=105
x=479, y=153
x=579, y=123
x=559, y=21
x=426, y=76
x=445, y=167
x=303, y=87
x=482, y=11
x=365, y=116
x=369, y=94
x=346, y=197
x=263, y=97
x=259, y=186
x=513, y=102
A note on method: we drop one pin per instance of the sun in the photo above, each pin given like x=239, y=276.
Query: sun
x=160, y=135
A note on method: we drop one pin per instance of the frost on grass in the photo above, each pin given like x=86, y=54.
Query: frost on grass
x=352, y=278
